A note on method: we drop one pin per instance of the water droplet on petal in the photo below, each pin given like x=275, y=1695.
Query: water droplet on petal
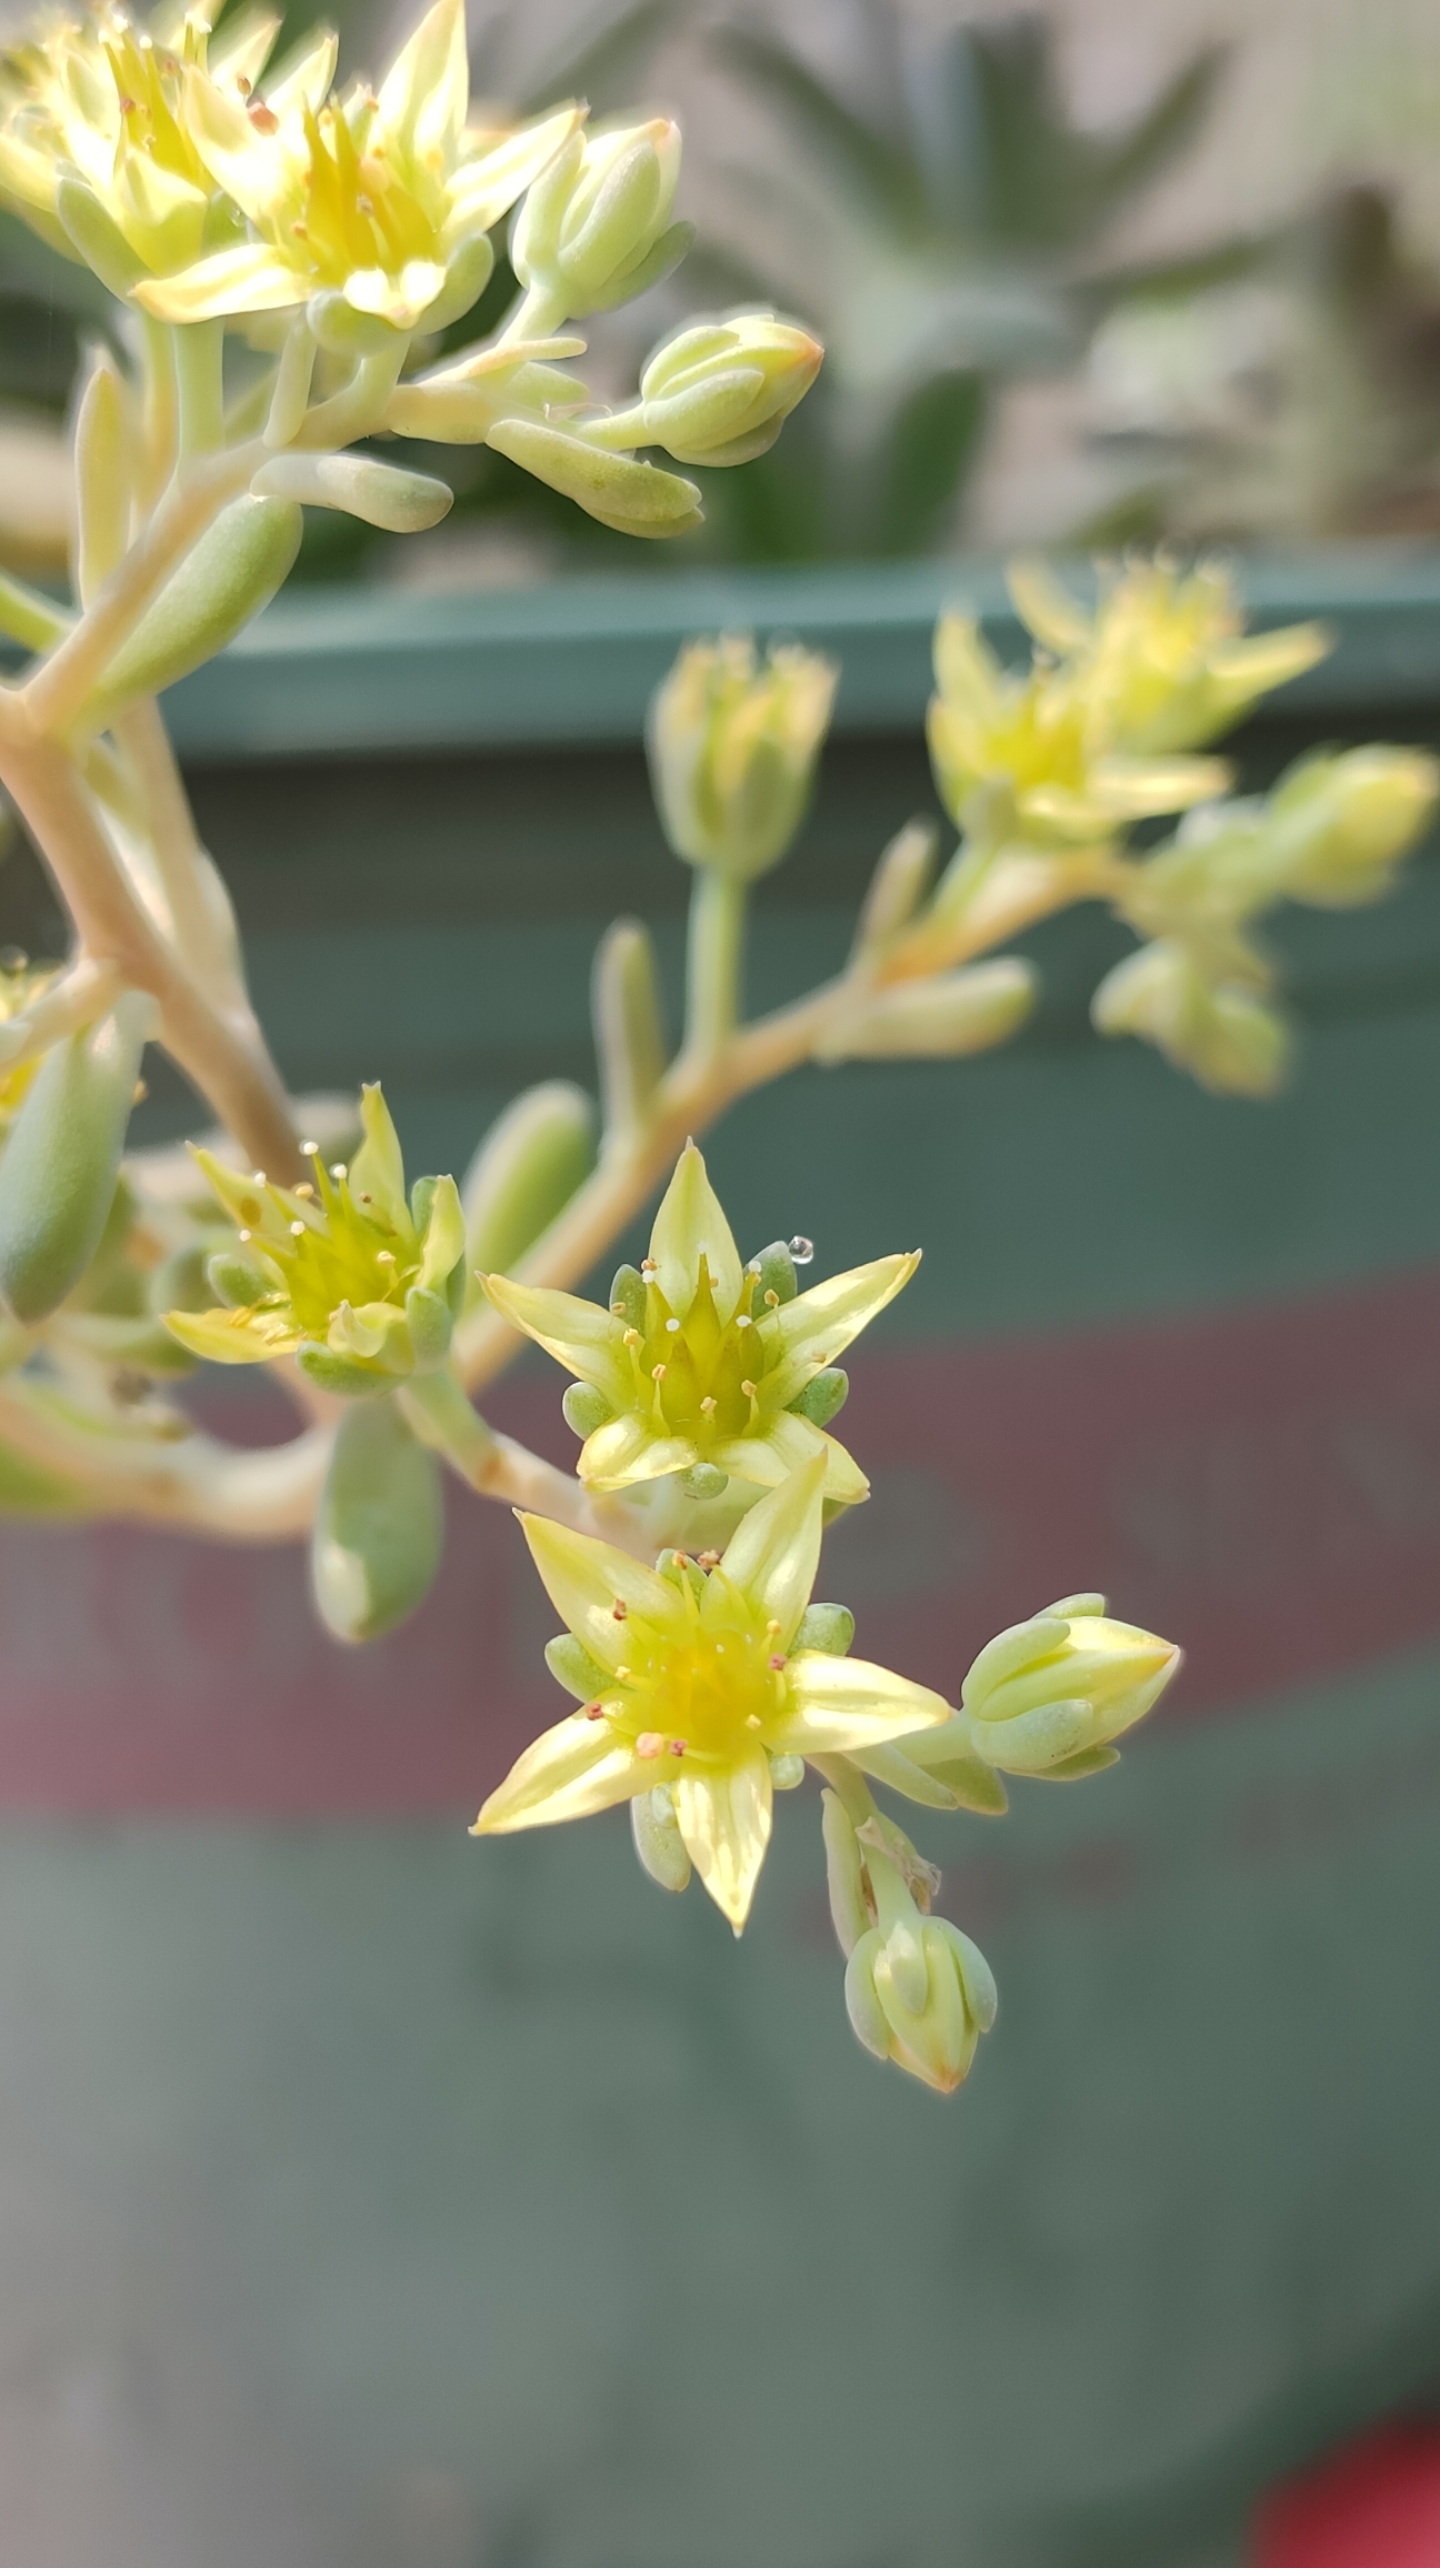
x=802, y=1250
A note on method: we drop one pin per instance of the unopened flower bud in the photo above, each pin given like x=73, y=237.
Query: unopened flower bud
x=1342, y=823
x=593, y=230
x=634, y=499
x=1228, y=1038
x=718, y=393
x=921, y=1994
x=733, y=748
x=1054, y=1688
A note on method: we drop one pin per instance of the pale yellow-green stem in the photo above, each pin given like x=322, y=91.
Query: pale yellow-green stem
x=220, y=1049
x=715, y=962
x=80, y=995
x=55, y=692
x=240, y=1496
x=179, y=857
x=497, y=1467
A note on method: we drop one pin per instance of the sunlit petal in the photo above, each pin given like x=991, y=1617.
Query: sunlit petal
x=815, y=1329
x=775, y=1550
x=689, y=1224
x=589, y=1342
x=724, y=1818
x=568, y=1772
x=842, y=1704
x=586, y=1580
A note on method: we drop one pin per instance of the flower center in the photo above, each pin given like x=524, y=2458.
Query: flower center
x=356, y=212
x=700, y=1376
x=708, y=1694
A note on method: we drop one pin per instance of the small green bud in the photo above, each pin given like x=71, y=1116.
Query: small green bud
x=227, y=576
x=572, y=1666
x=428, y=1319
x=535, y=1156
x=921, y=1995
x=702, y=1482
x=945, y=1017
x=233, y=1280
x=774, y=1272
x=733, y=749
x=380, y=1527
x=400, y=503
x=627, y=1296
x=718, y=393
x=1048, y=1690
x=61, y=1163
x=1228, y=1038
x=343, y=1374
x=830, y=1628
x=658, y=1841
x=589, y=229
x=1341, y=824
x=634, y=499
x=585, y=1409
x=823, y=1398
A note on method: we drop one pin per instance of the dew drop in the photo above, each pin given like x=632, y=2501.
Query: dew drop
x=802, y=1250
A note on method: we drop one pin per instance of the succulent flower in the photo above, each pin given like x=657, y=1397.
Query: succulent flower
x=702, y=1364
x=1165, y=656
x=382, y=201
x=733, y=748
x=97, y=150
x=688, y=1678
x=358, y=1283
x=1037, y=755
x=1050, y=1696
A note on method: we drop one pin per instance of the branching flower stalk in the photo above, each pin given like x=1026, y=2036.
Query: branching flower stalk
x=286, y=261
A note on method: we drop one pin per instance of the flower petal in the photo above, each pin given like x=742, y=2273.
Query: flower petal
x=567, y=1772
x=303, y=78
x=589, y=1342
x=774, y=1552
x=426, y=92
x=627, y=1450
x=234, y=1337
x=499, y=167
x=251, y=278
x=773, y=1452
x=841, y=1705
x=585, y=1580
x=815, y=1329
x=444, y=1240
x=723, y=1814
x=690, y=1223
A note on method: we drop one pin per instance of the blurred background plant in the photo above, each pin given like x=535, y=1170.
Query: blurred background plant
x=1065, y=296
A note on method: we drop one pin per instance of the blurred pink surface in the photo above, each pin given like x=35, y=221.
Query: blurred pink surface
x=1377, y=2506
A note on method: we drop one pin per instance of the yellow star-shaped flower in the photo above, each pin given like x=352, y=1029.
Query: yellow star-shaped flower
x=698, y=1361
x=385, y=200
x=696, y=1686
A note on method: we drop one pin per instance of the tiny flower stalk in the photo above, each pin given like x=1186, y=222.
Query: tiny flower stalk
x=344, y=1272
x=693, y=1679
x=702, y=1364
